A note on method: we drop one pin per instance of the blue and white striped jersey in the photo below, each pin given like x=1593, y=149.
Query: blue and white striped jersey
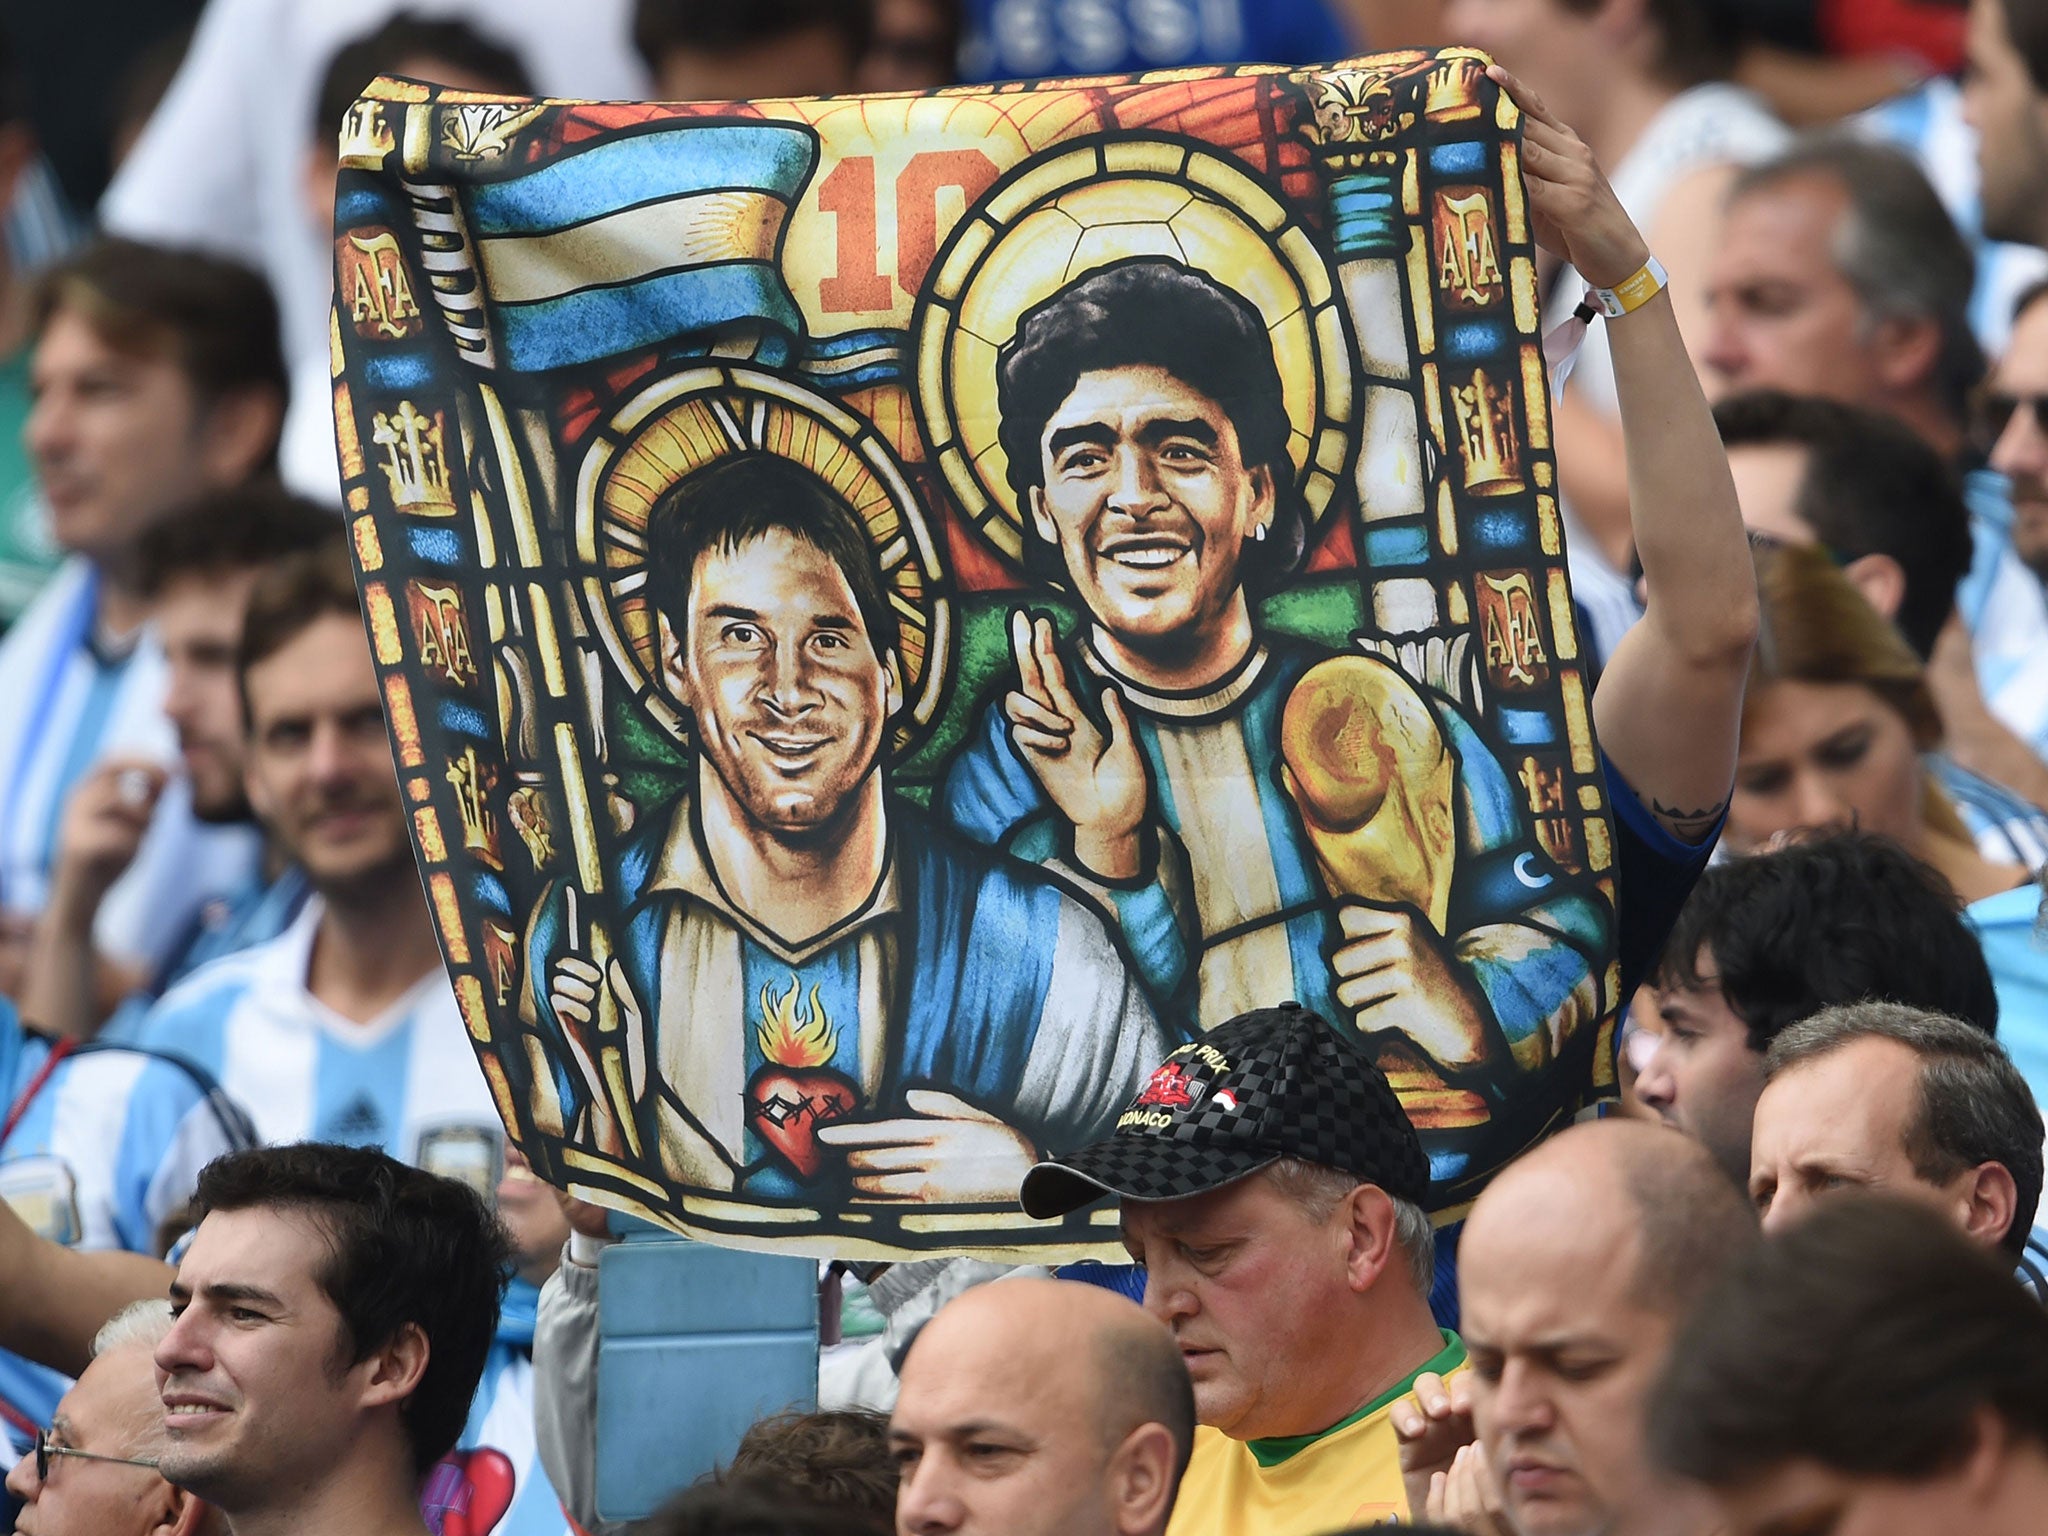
x=225, y=927
x=2006, y=611
x=2009, y=829
x=407, y=1082
x=103, y=1152
x=66, y=707
x=501, y=1418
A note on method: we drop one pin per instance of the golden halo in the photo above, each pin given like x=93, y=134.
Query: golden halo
x=692, y=418
x=1067, y=213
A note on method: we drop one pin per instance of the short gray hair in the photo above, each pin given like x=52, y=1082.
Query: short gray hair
x=1897, y=247
x=1975, y=1108
x=1318, y=1189
x=147, y=1322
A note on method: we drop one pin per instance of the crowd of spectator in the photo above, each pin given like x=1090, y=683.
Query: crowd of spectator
x=1794, y=1285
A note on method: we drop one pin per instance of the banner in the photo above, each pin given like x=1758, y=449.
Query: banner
x=897, y=612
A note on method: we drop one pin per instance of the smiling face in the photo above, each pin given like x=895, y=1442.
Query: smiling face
x=1563, y=1358
x=2021, y=451
x=320, y=773
x=1249, y=1283
x=256, y=1390
x=533, y=1217
x=1824, y=756
x=1149, y=500
x=790, y=700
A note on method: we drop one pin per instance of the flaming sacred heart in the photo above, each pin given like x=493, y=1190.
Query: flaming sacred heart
x=796, y=1090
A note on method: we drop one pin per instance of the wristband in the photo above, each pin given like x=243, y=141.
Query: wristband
x=1633, y=291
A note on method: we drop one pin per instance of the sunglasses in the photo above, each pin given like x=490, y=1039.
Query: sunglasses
x=47, y=1447
x=1993, y=410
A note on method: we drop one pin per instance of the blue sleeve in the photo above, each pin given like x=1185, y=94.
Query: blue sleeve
x=158, y=1105
x=1654, y=873
x=990, y=797
x=191, y=1023
x=11, y=1041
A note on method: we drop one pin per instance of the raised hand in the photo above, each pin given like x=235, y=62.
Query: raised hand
x=1466, y=1496
x=1393, y=974
x=1095, y=777
x=946, y=1151
x=1432, y=1424
x=104, y=823
x=1573, y=210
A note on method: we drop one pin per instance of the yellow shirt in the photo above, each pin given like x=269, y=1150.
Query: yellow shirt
x=1306, y=1485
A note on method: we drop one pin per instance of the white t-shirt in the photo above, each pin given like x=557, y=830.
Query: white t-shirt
x=1708, y=125
x=221, y=164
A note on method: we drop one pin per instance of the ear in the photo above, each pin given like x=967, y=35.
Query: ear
x=668, y=647
x=1990, y=1202
x=1881, y=579
x=392, y=1373
x=1141, y=1481
x=1905, y=352
x=179, y=1514
x=1041, y=519
x=1984, y=1468
x=1264, y=500
x=238, y=433
x=253, y=786
x=892, y=688
x=317, y=173
x=1368, y=1217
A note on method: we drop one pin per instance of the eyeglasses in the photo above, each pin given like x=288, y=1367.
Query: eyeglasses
x=1993, y=410
x=46, y=1447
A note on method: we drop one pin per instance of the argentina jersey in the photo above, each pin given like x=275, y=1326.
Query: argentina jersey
x=499, y=1450
x=67, y=707
x=2009, y=829
x=102, y=1148
x=407, y=1082
x=2004, y=608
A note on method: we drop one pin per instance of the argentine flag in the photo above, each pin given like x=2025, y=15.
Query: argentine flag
x=637, y=241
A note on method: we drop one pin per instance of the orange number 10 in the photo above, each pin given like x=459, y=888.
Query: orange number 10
x=848, y=194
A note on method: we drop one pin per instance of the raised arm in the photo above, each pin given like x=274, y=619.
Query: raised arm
x=1669, y=706
x=54, y=1299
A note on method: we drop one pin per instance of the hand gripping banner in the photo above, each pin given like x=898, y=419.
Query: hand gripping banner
x=895, y=613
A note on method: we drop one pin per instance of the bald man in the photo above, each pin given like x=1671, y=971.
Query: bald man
x=1041, y=1408
x=1577, y=1267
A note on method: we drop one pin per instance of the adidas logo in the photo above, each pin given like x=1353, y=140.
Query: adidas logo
x=357, y=1125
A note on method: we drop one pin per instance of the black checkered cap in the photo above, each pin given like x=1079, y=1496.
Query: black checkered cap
x=1272, y=1083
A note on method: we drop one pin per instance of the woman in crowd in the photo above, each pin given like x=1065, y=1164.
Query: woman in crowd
x=1834, y=726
